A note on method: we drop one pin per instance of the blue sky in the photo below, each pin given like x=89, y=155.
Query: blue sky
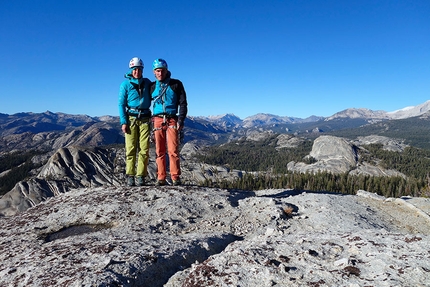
x=288, y=58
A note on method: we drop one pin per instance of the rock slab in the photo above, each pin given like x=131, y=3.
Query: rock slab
x=193, y=236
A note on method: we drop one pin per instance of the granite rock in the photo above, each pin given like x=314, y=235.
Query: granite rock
x=194, y=236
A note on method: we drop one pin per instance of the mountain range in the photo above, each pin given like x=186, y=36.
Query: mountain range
x=53, y=152
x=50, y=131
x=262, y=119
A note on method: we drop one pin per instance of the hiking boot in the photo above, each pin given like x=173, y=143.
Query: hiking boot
x=140, y=181
x=130, y=180
x=160, y=182
x=176, y=182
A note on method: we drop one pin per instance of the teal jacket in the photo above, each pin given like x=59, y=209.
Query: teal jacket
x=169, y=98
x=134, y=98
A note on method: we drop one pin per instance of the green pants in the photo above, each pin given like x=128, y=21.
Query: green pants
x=137, y=146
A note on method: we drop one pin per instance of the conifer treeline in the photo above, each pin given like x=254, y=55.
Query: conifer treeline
x=268, y=169
x=19, y=165
x=270, y=165
x=328, y=182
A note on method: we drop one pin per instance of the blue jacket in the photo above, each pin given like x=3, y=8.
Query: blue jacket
x=134, y=97
x=172, y=101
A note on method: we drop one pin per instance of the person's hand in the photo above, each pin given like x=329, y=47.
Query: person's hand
x=124, y=129
x=180, y=133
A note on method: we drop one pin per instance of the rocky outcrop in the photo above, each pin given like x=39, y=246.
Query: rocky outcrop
x=288, y=141
x=88, y=166
x=191, y=236
x=76, y=167
x=258, y=135
x=337, y=155
x=29, y=193
x=387, y=143
x=327, y=148
x=331, y=153
x=68, y=168
x=371, y=170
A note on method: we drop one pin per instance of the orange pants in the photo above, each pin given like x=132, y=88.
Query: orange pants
x=166, y=135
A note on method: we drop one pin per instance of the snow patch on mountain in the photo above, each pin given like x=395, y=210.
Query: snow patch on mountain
x=412, y=111
x=407, y=112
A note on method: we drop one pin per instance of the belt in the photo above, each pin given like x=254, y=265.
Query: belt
x=165, y=116
x=139, y=114
x=141, y=117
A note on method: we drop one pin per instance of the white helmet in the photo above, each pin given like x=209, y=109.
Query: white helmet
x=135, y=62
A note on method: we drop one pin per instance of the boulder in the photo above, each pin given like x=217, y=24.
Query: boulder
x=332, y=154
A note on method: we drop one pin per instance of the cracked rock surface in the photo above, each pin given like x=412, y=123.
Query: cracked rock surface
x=194, y=236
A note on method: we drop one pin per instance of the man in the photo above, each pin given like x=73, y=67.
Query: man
x=170, y=109
x=134, y=115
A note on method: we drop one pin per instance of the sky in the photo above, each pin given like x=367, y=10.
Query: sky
x=294, y=58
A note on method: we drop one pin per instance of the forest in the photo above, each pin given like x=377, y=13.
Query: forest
x=18, y=165
x=269, y=167
x=266, y=167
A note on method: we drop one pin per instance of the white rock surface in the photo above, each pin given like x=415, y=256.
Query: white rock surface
x=337, y=155
x=192, y=236
x=328, y=148
x=288, y=141
x=387, y=143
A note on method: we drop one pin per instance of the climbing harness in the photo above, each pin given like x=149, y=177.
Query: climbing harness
x=161, y=99
x=137, y=112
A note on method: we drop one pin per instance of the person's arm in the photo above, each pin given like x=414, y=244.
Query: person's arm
x=122, y=106
x=183, y=105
